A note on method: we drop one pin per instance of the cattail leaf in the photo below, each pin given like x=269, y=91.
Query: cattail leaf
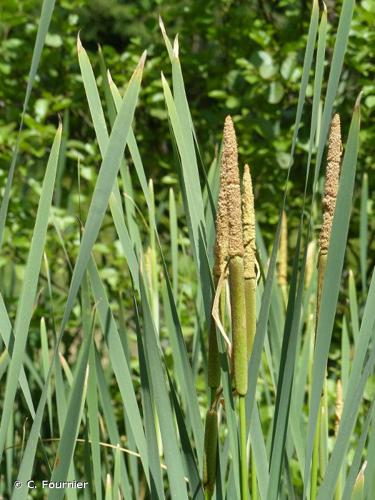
x=369, y=472
x=318, y=81
x=118, y=362
x=132, y=145
x=191, y=466
x=29, y=287
x=193, y=206
x=286, y=374
x=110, y=420
x=65, y=450
x=174, y=240
x=150, y=422
x=363, y=232
x=259, y=452
x=183, y=369
x=332, y=277
x=167, y=426
x=336, y=64
x=356, y=386
x=8, y=339
x=345, y=356
x=43, y=25
x=45, y=367
x=183, y=112
x=353, y=306
x=101, y=131
x=356, y=463
x=105, y=181
x=93, y=420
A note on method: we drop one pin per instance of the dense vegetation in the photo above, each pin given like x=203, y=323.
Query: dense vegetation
x=155, y=249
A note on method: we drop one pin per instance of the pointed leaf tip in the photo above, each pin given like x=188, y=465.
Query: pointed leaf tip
x=176, y=47
x=109, y=77
x=161, y=25
x=79, y=44
x=142, y=61
x=60, y=125
x=358, y=100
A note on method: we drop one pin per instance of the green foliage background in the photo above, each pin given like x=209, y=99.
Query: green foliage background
x=242, y=58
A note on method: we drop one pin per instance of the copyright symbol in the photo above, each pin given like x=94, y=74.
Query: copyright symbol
x=17, y=484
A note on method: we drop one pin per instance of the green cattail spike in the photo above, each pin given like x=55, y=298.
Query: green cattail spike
x=329, y=199
x=235, y=253
x=210, y=452
x=283, y=256
x=248, y=215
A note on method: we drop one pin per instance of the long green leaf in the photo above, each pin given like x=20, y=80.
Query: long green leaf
x=331, y=284
x=29, y=287
x=45, y=19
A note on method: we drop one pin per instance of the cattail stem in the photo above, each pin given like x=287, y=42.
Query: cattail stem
x=238, y=310
x=244, y=468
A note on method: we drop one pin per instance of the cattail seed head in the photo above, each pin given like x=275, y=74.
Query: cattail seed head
x=233, y=189
x=210, y=451
x=248, y=220
x=332, y=182
x=222, y=226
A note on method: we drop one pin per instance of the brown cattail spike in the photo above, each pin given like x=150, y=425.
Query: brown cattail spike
x=233, y=189
x=248, y=215
x=332, y=182
x=222, y=228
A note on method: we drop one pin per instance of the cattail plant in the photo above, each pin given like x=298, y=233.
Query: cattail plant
x=329, y=203
x=235, y=255
x=236, y=284
x=221, y=254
